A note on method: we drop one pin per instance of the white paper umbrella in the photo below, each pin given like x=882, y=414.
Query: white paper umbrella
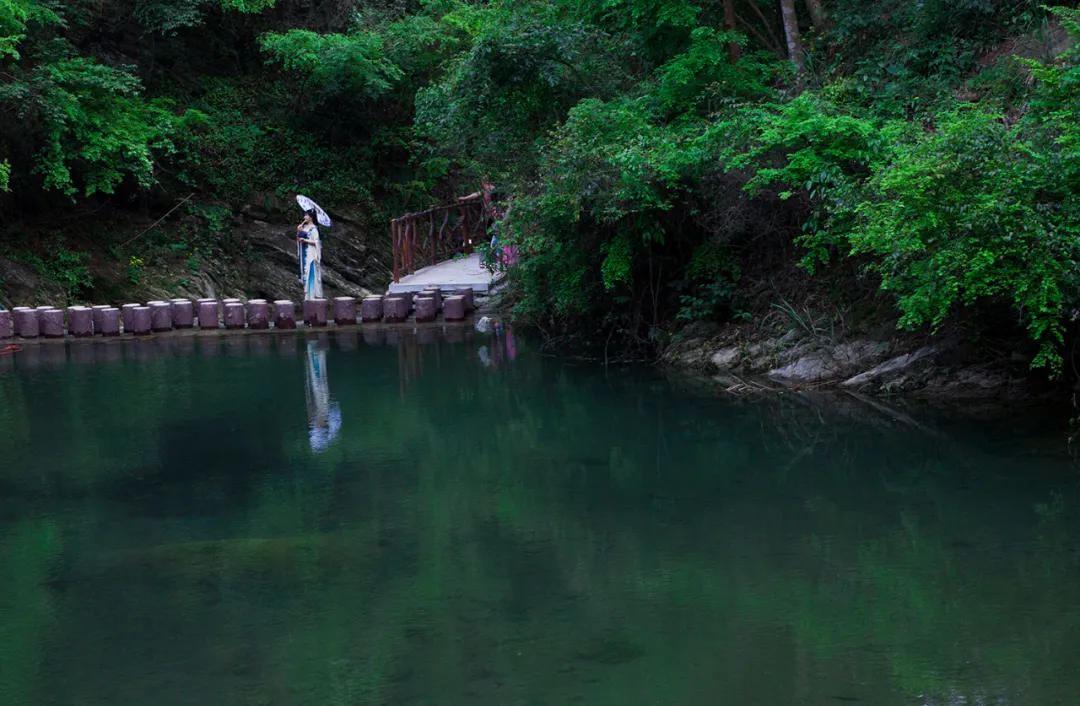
x=309, y=205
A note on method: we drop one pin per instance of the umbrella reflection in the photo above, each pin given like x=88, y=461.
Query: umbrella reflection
x=324, y=414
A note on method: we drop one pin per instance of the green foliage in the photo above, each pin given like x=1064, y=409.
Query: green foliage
x=616, y=265
x=93, y=125
x=168, y=16
x=630, y=145
x=67, y=268
x=338, y=63
x=15, y=15
x=961, y=209
x=229, y=154
x=134, y=270
x=705, y=71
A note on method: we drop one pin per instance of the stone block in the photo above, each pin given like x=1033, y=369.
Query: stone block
x=141, y=321
x=454, y=308
x=51, y=323
x=5, y=324
x=466, y=292
x=345, y=311
x=396, y=309
x=209, y=314
x=161, y=317
x=183, y=313
x=371, y=309
x=110, y=322
x=434, y=294
x=128, y=311
x=426, y=310
x=80, y=321
x=96, y=314
x=258, y=314
x=315, y=312
x=234, y=315
x=23, y=319
x=284, y=315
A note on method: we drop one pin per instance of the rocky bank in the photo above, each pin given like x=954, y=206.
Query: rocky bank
x=934, y=367
x=256, y=259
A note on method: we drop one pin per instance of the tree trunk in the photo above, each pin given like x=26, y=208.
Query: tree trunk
x=729, y=19
x=791, y=32
x=817, y=17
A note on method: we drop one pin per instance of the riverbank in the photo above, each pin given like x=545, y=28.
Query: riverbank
x=947, y=366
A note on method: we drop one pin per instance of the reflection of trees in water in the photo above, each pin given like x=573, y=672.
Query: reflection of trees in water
x=545, y=533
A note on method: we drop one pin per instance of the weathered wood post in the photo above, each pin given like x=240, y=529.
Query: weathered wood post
x=209, y=314
x=96, y=314
x=141, y=321
x=466, y=292
x=5, y=324
x=81, y=321
x=160, y=316
x=345, y=311
x=128, y=311
x=284, y=315
x=183, y=313
x=52, y=323
x=454, y=308
x=234, y=315
x=110, y=322
x=315, y=312
x=396, y=309
x=258, y=314
x=371, y=309
x=426, y=310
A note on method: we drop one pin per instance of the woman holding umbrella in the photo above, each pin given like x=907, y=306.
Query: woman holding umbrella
x=309, y=247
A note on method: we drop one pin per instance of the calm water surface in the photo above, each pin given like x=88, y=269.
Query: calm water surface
x=255, y=521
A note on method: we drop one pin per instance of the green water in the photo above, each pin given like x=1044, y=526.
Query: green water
x=200, y=522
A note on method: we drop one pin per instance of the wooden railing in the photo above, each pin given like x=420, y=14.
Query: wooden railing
x=429, y=237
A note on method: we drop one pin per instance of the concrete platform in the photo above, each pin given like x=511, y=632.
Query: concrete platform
x=448, y=276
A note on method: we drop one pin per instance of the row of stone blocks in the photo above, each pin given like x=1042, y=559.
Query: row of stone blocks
x=161, y=316
x=426, y=305
x=49, y=322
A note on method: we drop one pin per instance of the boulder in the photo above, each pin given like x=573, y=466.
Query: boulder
x=831, y=363
x=726, y=358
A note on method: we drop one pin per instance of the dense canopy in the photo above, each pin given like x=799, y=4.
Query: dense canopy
x=659, y=156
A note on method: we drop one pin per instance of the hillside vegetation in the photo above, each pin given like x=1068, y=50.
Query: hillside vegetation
x=664, y=160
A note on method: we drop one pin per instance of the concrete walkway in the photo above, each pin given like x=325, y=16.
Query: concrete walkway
x=448, y=276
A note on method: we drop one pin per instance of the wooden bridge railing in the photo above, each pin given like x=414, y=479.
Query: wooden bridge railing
x=428, y=237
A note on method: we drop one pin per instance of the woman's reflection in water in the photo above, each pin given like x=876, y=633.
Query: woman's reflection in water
x=324, y=414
